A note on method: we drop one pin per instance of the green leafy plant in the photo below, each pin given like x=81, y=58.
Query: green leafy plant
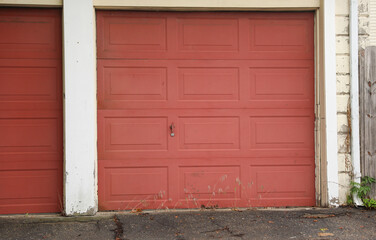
x=362, y=189
x=369, y=203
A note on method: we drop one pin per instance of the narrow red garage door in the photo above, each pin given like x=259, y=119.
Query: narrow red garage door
x=205, y=109
x=30, y=111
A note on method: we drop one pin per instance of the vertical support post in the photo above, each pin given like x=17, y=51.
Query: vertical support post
x=354, y=94
x=80, y=166
x=329, y=67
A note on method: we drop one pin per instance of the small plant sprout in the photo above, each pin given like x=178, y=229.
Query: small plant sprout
x=362, y=189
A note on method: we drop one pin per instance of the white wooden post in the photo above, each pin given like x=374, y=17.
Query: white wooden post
x=80, y=170
x=330, y=101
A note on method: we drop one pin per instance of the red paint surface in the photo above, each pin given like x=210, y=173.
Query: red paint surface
x=239, y=88
x=30, y=111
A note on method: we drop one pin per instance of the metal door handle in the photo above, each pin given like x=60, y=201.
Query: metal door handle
x=172, y=127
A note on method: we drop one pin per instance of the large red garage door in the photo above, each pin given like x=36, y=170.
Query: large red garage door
x=30, y=111
x=205, y=109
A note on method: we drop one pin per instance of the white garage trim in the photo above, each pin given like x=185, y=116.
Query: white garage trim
x=256, y=4
x=329, y=66
x=218, y=4
x=80, y=106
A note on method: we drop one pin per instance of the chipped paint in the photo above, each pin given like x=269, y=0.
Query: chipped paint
x=334, y=201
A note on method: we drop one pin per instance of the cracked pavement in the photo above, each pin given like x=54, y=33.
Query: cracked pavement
x=340, y=223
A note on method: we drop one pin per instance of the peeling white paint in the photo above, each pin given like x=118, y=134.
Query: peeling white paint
x=330, y=100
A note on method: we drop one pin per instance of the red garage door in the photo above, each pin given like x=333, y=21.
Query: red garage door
x=205, y=109
x=30, y=111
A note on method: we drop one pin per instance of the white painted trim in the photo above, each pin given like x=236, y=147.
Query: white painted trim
x=329, y=66
x=33, y=3
x=354, y=93
x=80, y=108
x=226, y=4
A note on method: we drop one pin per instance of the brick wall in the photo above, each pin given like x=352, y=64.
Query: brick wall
x=343, y=86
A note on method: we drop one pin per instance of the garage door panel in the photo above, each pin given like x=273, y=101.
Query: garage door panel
x=25, y=195
x=281, y=132
x=274, y=182
x=135, y=83
x=23, y=183
x=21, y=40
x=28, y=135
x=214, y=133
x=130, y=83
x=30, y=85
x=146, y=134
x=280, y=87
x=214, y=84
x=209, y=183
x=288, y=84
x=139, y=31
x=27, y=84
x=203, y=34
x=281, y=35
x=142, y=133
x=123, y=184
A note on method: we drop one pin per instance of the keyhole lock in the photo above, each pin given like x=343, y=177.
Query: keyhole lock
x=172, y=128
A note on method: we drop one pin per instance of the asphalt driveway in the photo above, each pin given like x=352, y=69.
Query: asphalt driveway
x=340, y=223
